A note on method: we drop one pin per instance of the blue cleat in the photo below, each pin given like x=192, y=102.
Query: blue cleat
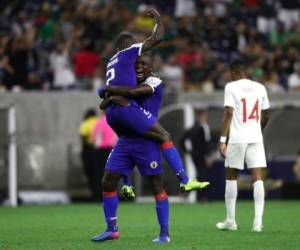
x=162, y=239
x=106, y=235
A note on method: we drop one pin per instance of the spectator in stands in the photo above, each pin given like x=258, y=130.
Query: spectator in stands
x=64, y=77
x=294, y=79
x=172, y=73
x=87, y=149
x=185, y=8
x=272, y=82
x=222, y=29
x=196, y=141
x=266, y=20
x=86, y=63
x=289, y=13
x=15, y=61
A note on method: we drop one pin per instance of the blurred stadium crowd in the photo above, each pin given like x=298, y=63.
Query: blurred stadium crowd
x=60, y=44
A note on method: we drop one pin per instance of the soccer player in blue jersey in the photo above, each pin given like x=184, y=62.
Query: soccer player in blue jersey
x=131, y=119
x=131, y=151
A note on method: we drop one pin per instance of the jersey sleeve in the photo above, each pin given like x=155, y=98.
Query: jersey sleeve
x=265, y=100
x=135, y=50
x=153, y=82
x=228, y=97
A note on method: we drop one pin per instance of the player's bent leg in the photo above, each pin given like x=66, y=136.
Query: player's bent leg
x=172, y=156
x=259, y=198
x=230, y=201
x=110, y=205
x=162, y=208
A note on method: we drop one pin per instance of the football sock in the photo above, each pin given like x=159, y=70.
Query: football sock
x=110, y=205
x=173, y=158
x=230, y=199
x=259, y=200
x=162, y=211
x=127, y=181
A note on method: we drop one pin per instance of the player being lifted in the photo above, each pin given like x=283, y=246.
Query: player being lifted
x=246, y=103
x=136, y=151
x=132, y=119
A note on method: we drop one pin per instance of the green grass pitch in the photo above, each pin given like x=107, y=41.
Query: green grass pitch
x=191, y=227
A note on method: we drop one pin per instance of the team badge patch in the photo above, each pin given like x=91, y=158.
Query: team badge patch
x=154, y=164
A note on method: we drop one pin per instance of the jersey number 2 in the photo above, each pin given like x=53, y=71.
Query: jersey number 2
x=254, y=113
x=110, y=75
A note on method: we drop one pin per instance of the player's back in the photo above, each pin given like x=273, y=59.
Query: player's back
x=120, y=70
x=247, y=98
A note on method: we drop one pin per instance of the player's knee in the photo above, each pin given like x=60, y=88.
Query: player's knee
x=166, y=136
x=157, y=184
x=108, y=185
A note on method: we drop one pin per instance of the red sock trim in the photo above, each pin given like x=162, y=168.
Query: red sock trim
x=109, y=194
x=166, y=145
x=161, y=196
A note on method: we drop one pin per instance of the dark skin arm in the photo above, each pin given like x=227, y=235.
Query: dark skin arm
x=227, y=117
x=140, y=90
x=264, y=118
x=119, y=100
x=157, y=33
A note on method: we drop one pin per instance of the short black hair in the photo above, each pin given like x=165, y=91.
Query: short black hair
x=200, y=111
x=89, y=113
x=237, y=65
x=122, y=39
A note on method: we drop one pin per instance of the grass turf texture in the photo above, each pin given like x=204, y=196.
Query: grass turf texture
x=191, y=227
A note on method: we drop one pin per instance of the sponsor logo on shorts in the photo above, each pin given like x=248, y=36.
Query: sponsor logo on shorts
x=153, y=164
x=147, y=113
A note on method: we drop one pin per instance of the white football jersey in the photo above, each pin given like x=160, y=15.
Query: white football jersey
x=248, y=99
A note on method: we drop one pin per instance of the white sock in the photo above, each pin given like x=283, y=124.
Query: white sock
x=230, y=199
x=259, y=201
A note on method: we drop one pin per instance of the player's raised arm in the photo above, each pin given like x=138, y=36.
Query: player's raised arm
x=157, y=33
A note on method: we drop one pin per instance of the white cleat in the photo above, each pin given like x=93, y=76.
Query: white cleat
x=226, y=225
x=257, y=228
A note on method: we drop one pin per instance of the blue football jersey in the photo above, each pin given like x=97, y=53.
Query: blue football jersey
x=120, y=70
x=152, y=103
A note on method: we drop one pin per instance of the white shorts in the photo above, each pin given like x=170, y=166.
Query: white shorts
x=251, y=153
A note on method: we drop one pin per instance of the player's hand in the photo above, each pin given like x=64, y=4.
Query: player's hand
x=223, y=150
x=101, y=91
x=153, y=13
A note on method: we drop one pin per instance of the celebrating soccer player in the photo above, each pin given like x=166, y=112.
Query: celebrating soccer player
x=246, y=103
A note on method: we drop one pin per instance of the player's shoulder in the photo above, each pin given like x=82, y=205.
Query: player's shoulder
x=231, y=85
x=242, y=82
x=153, y=81
x=258, y=85
x=133, y=46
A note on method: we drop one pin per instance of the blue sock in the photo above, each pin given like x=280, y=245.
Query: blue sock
x=162, y=211
x=110, y=205
x=127, y=181
x=173, y=158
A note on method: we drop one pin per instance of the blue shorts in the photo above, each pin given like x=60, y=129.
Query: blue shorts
x=131, y=152
x=129, y=121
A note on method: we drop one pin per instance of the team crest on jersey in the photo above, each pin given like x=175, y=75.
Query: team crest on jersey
x=154, y=164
